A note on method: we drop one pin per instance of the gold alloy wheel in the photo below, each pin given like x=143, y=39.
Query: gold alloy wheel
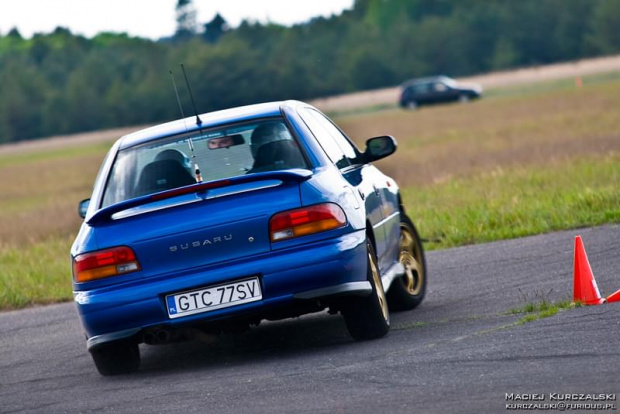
x=378, y=286
x=411, y=258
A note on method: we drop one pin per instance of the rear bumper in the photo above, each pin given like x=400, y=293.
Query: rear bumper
x=314, y=271
x=352, y=288
x=346, y=289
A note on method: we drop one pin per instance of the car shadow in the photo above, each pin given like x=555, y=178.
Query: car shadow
x=267, y=342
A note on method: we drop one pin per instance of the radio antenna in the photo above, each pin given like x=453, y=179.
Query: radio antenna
x=191, y=95
x=176, y=92
x=197, y=174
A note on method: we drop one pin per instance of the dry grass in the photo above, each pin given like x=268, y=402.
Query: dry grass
x=441, y=143
x=506, y=166
x=41, y=188
x=40, y=193
x=65, y=141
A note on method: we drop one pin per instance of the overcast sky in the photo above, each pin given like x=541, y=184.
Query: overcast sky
x=151, y=18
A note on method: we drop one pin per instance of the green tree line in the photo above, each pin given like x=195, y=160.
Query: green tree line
x=60, y=83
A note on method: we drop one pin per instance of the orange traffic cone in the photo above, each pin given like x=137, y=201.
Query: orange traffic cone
x=614, y=297
x=585, y=289
x=579, y=81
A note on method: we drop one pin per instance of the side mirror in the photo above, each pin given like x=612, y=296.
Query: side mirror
x=83, y=207
x=379, y=147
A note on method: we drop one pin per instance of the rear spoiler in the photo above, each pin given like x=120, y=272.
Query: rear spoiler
x=106, y=213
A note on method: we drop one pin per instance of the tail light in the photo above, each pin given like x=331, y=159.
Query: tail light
x=305, y=221
x=104, y=263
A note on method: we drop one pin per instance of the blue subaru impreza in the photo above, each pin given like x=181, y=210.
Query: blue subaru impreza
x=220, y=221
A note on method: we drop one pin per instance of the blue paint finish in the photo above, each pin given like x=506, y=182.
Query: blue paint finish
x=210, y=236
x=282, y=274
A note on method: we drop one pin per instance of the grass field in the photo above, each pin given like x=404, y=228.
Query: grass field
x=522, y=161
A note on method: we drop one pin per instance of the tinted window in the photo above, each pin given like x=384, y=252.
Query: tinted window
x=422, y=88
x=440, y=87
x=338, y=148
x=341, y=140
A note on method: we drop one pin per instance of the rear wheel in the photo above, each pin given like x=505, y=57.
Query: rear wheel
x=117, y=358
x=464, y=98
x=408, y=291
x=369, y=317
x=413, y=105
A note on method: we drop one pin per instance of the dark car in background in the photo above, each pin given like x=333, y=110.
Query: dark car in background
x=437, y=89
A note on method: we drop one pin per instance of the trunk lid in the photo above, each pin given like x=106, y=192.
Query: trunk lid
x=195, y=229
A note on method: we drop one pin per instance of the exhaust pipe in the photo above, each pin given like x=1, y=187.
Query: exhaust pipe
x=149, y=338
x=161, y=336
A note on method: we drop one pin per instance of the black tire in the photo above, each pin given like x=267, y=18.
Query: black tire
x=412, y=105
x=407, y=292
x=117, y=358
x=369, y=317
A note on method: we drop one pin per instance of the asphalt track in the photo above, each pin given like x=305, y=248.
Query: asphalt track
x=457, y=353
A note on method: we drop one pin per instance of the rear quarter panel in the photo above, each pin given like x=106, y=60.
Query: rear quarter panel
x=328, y=185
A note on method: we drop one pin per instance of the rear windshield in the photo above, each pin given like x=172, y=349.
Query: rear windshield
x=219, y=153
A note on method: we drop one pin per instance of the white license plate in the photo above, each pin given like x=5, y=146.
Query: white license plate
x=212, y=298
